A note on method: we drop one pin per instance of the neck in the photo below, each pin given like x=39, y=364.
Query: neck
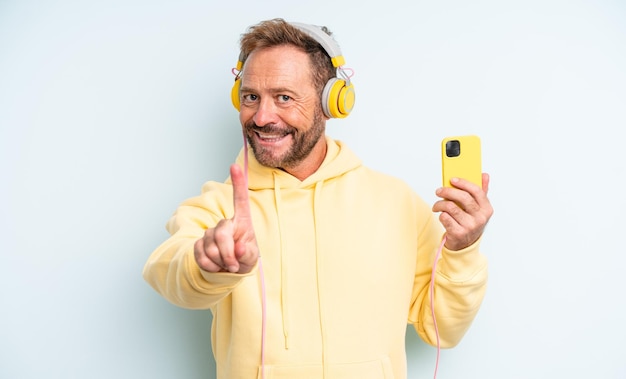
x=311, y=163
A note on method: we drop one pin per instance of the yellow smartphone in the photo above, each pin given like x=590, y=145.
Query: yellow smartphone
x=461, y=158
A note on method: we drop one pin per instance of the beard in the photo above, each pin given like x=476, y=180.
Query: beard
x=301, y=147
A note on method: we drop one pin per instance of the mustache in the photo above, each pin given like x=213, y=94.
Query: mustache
x=269, y=128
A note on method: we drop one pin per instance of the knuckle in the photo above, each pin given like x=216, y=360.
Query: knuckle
x=213, y=253
x=221, y=232
x=198, y=247
x=453, y=209
x=489, y=211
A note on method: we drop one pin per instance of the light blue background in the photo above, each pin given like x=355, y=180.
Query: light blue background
x=112, y=113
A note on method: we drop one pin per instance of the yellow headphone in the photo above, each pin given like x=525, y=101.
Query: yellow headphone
x=338, y=94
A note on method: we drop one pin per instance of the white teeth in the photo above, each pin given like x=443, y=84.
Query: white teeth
x=269, y=136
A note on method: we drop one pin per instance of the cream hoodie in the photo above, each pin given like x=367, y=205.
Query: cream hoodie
x=347, y=257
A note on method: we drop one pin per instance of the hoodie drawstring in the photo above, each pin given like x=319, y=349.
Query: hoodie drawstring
x=318, y=261
x=283, y=265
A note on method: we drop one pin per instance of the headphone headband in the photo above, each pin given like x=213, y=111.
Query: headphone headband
x=329, y=44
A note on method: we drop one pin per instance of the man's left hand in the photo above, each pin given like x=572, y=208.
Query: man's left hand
x=465, y=211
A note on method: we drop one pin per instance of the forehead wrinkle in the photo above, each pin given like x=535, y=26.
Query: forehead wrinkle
x=274, y=81
x=273, y=87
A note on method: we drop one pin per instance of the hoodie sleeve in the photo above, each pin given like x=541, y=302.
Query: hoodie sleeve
x=172, y=270
x=460, y=285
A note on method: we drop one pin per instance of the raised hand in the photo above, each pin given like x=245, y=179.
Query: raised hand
x=465, y=211
x=231, y=245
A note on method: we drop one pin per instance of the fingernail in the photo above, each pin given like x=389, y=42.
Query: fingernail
x=233, y=269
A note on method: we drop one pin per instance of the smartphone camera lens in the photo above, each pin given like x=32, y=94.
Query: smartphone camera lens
x=453, y=148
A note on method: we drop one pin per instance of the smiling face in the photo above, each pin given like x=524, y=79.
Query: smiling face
x=281, y=110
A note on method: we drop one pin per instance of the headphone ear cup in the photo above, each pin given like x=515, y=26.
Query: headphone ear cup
x=337, y=98
x=234, y=94
x=346, y=99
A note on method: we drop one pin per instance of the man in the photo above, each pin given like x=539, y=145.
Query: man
x=311, y=263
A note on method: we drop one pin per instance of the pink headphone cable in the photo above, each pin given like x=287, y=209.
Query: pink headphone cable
x=263, y=318
x=432, y=300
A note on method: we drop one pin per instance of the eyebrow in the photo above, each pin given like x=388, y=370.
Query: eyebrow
x=272, y=90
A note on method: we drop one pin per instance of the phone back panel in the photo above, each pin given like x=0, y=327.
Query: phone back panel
x=467, y=164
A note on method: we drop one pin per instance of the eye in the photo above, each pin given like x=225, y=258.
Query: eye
x=249, y=98
x=283, y=98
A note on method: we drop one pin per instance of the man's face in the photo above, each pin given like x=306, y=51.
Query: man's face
x=280, y=109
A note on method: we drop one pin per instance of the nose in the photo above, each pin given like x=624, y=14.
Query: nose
x=266, y=113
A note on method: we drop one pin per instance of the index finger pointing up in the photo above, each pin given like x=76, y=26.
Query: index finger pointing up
x=240, y=193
